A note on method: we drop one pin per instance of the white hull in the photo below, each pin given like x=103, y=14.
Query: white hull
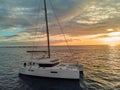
x=51, y=73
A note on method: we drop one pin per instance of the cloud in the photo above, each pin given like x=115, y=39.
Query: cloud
x=99, y=11
x=19, y=18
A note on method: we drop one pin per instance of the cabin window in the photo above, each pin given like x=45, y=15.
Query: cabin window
x=39, y=65
x=48, y=65
x=53, y=72
x=33, y=63
x=24, y=64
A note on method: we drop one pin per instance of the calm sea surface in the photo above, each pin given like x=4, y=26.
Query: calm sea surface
x=101, y=69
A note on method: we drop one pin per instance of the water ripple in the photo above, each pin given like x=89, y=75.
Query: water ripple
x=101, y=69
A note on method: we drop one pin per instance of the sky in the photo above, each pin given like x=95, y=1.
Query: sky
x=77, y=22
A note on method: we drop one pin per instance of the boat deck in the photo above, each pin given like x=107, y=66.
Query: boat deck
x=69, y=66
x=61, y=66
x=52, y=64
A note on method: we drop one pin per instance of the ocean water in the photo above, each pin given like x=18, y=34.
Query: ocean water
x=101, y=69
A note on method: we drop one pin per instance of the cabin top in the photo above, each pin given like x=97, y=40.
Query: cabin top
x=44, y=61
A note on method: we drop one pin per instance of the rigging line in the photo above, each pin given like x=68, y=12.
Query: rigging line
x=55, y=53
x=61, y=29
x=40, y=25
x=37, y=22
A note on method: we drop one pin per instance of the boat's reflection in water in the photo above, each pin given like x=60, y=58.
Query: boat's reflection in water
x=37, y=83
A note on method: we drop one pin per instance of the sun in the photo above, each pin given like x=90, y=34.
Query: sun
x=111, y=41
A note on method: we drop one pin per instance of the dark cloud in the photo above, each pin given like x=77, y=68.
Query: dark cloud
x=8, y=37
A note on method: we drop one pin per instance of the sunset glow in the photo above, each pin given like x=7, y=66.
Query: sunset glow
x=83, y=22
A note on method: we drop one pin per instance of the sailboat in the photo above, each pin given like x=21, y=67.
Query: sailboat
x=50, y=67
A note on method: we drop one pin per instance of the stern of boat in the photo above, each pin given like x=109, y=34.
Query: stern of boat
x=81, y=74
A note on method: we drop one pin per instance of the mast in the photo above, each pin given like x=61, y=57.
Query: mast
x=47, y=29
